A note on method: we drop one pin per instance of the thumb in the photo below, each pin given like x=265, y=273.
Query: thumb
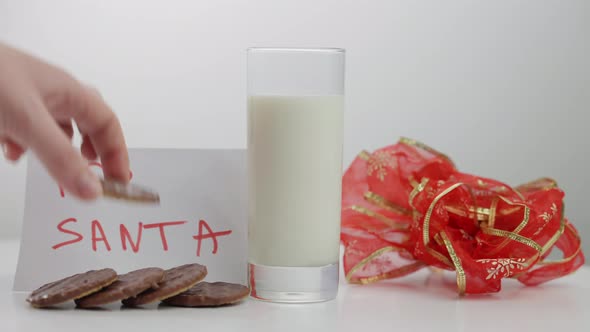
x=63, y=162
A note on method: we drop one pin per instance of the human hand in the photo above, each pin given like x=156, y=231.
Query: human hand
x=38, y=103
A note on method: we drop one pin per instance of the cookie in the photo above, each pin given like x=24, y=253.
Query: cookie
x=71, y=288
x=176, y=281
x=128, y=192
x=206, y=294
x=126, y=286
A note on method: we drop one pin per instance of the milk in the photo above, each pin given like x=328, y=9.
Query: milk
x=295, y=169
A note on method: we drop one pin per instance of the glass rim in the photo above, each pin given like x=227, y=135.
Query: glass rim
x=297, y=49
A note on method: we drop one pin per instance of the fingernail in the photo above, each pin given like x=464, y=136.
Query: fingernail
x=88, y=184
x=5, y=152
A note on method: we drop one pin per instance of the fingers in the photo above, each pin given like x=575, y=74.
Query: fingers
x=12, y=151
x=52, y=146
x=103, y=133
x=88, y=149
x=68, y=129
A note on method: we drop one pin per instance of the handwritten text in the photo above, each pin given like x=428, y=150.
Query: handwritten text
x=98, y=236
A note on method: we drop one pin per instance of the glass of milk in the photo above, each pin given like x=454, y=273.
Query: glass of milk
x=295, y=124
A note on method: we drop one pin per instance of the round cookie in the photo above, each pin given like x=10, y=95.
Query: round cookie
x=205, y=294
x=126, y=286
x=176, y=281
x=71, y=288
x=128, y=192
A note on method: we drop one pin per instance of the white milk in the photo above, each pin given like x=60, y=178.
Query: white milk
x=295, y=174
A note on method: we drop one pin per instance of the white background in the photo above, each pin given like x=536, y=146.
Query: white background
x=502, y=86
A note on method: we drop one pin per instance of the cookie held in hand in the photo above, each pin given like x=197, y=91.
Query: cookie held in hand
x=128, y=192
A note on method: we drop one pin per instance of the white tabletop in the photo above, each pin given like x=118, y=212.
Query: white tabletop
x=422, y=302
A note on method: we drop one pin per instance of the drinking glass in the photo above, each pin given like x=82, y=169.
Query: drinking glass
x=295, y=124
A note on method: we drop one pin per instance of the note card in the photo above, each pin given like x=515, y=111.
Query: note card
x=201, y=218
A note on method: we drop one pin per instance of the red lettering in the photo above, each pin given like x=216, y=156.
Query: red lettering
x=211, y=235
x=61, y=228
x=62, y=192
x=96, y=226
x=125, y=235
x=161, y=226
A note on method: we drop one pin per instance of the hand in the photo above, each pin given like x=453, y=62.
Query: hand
x=37, y=105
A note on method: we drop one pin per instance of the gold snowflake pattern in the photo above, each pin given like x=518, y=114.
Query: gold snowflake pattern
x=547, y=216
x=465, y=235
x=499, y=189
x=502, y=267
x=430, y=192
x=378, y=163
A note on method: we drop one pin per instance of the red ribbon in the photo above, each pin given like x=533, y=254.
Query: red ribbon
x=406, y=207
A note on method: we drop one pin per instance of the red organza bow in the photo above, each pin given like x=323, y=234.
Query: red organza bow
x=406, y=206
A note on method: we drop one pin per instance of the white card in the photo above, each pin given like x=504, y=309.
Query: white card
x=201, y=218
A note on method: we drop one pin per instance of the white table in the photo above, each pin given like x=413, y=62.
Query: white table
x=422, y=302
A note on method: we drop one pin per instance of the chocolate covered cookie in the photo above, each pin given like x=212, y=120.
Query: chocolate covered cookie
x=206, y=294
x=71, y=288
x=126, y=286
x=128, y=192
x=176, y=281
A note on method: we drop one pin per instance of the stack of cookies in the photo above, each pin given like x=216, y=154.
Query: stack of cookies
x=178, y=286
